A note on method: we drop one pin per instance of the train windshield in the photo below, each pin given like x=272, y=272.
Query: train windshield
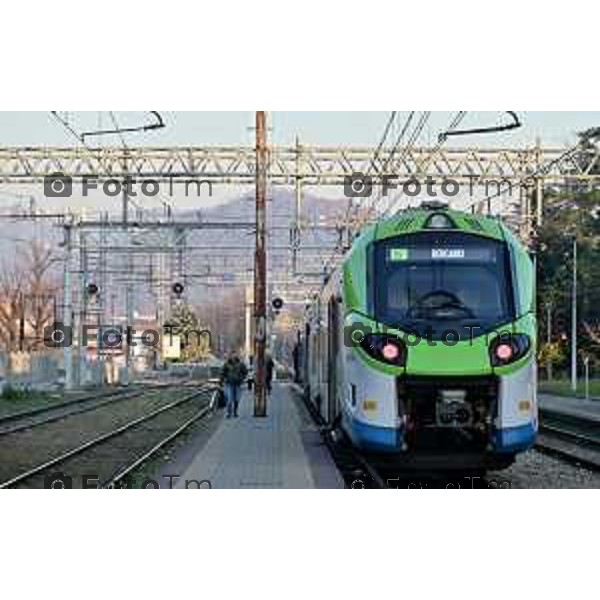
x=433, y=282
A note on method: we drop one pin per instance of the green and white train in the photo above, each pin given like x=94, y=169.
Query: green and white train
x=422, y=344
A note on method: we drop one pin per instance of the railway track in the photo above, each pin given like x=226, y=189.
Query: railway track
x=355, y=469
x=21, y=421
x=109, y=453
x=360, y=471
x=571, y=438
x=126, y=471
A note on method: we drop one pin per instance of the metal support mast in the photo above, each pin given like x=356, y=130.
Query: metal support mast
x=260, y=267
x=574, y=320
x=67, y=309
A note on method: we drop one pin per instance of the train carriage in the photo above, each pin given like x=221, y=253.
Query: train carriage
x=421, y=346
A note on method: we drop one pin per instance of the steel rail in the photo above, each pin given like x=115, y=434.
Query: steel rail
x=147, y=455
x=572, y=433
x=96, y=441
x=37, y=411
x=66, y=415
x=112, y=397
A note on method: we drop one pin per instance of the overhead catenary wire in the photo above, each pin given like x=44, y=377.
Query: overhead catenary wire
x=384, y=137
x=113, y=118
x=389, y=158
x=454, y=123
x=541, y=170
x=373, y=165
x=158, y=123
x=120, y=130
x=515, y=124
x=94, y=152
x=328, y=264
x=414, y=136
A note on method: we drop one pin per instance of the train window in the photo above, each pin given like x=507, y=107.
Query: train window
x=432, y=284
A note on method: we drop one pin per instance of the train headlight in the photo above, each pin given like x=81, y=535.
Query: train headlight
x=507, y=349
x=385, y=348
x=504, y=352
x=390, y=352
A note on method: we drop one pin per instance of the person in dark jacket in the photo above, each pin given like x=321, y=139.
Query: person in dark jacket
x=269, y=366
x=250, y=378
x=233, y=375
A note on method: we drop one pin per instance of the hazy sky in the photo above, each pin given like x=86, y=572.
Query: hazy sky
x=200, y=128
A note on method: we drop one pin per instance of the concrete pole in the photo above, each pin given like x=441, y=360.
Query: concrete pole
x=549, y=337
x=82, y=306
x=161, y=303
x=586, y=362
x=154, y=292
x=539, y=182
x=539, y=202
x=100, y=298
x=574, y=320
x=524, y=227
x=125, y=206
x=128, y=321
x=297, y=211
x=260, y=268
x=67, y=308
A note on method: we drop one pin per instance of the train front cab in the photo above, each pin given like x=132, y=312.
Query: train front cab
x=442, y=414
x=471, y=400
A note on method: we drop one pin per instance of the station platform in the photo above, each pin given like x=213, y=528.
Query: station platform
x=282, y=450
x=578, y=407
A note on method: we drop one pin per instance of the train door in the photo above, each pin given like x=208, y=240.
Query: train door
x=333, y=321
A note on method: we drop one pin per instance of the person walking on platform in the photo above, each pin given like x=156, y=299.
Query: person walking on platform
x=250, y=377
x=269, y=366
x=233, y=375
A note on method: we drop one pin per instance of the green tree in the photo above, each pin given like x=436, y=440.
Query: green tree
x=195, y=339
x=573, y=213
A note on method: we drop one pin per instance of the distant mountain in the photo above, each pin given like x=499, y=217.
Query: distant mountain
x=217, y=254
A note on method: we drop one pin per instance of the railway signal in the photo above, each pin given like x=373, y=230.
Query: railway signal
x=277, y=305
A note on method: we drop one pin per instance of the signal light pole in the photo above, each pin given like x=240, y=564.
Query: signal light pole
x=260, y=268
x=574, y=319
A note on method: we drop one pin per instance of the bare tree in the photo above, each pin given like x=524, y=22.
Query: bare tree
x=12, y=286
x=27, y=297
x=41, y=289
